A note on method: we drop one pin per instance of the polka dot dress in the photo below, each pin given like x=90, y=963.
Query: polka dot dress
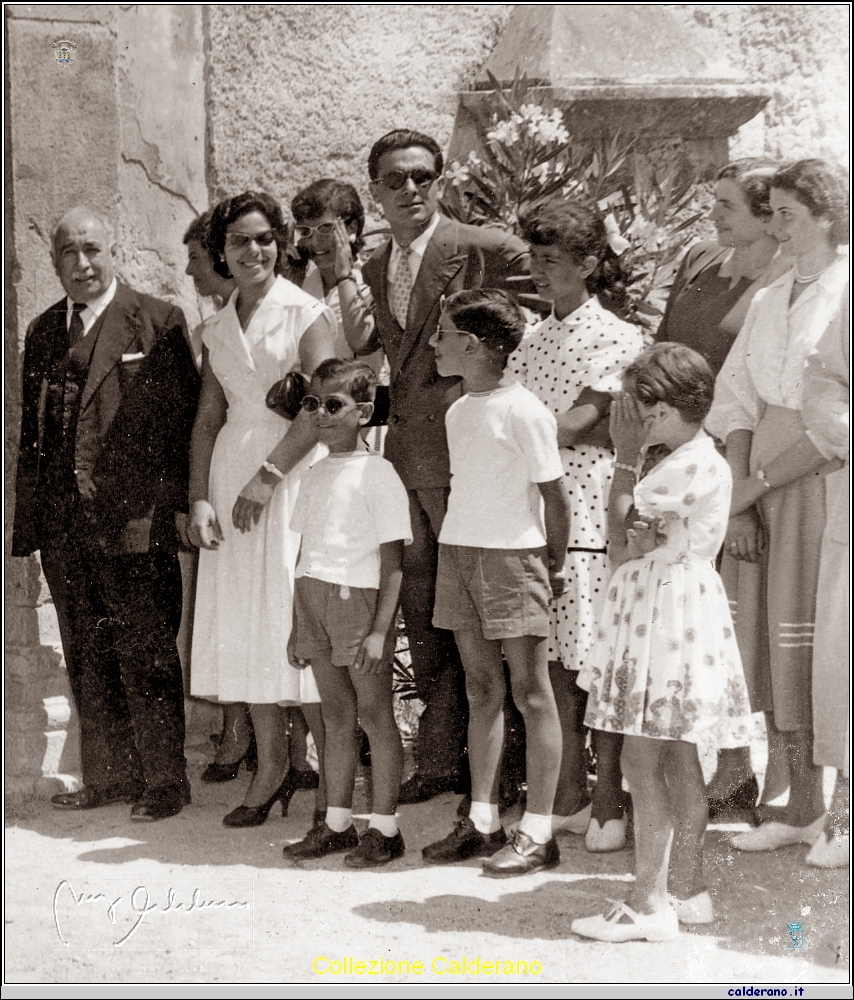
x=590, y=348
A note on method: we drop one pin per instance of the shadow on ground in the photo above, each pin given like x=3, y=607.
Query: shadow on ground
x=756, y=895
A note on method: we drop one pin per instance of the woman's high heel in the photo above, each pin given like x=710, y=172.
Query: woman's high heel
x=216, y=772
x=257, y=815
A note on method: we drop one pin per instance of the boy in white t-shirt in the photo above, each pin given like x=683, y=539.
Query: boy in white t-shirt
x=353, y=514
x=501, y=554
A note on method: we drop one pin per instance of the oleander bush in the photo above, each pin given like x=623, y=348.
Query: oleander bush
x=650, y=204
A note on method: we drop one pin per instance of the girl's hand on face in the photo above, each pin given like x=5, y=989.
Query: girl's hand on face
x=628, y=427
x=343, y=250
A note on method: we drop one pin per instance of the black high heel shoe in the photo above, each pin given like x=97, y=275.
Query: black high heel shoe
x=216, y=772
x=257, y=815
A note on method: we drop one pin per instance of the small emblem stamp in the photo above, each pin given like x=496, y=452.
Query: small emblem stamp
x=65, y=50
x=796, y=936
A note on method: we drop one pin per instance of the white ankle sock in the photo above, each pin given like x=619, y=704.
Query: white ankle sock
x=538, y=828
x=387, y=825
x=338, y=820
x=484, y=815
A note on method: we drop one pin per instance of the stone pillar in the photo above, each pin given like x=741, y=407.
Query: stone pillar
x=633, y=68
x=121, y=128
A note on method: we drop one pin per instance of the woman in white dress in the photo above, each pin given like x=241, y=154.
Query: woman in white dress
x=244, y=594
x=779, y=472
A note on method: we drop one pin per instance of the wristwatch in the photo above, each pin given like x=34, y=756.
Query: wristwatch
x=760, y=475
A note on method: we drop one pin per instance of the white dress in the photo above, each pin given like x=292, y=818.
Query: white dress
x=665, y=663
x=590, y=348
x=244, y=594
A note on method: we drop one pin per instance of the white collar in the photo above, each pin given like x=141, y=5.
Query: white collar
x=94, y=308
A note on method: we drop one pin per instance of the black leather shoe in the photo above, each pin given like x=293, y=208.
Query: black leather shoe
x=94, y=797
x=465, y=841
x=522, y=856
x=742, y=798
x=375, y=849
x=161, y=803
x=421, y=789
x=320, y=841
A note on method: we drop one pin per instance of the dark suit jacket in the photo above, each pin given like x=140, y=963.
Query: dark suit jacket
x=133, y=429
x=458, y=256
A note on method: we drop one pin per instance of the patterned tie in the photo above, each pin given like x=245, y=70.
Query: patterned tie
x=75, y=327
x=401, y=288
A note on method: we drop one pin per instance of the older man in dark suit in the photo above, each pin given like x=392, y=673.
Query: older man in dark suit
x=109, y=395
x=428, y=257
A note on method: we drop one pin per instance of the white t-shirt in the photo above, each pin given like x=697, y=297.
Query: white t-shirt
x=502, y=444
x=348, y=505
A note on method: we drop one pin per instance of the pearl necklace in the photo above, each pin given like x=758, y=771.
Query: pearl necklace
x=805, y=279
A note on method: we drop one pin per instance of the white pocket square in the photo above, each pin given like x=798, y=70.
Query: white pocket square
x=132, y=357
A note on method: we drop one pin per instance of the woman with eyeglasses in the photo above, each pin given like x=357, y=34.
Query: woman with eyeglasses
x=268, y=329
x=328, y=224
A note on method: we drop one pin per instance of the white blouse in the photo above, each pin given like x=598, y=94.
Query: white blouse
x=766, y=363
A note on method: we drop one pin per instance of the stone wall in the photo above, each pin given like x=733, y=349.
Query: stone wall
x=800, y=52
x=121, y=128
x=301, y=91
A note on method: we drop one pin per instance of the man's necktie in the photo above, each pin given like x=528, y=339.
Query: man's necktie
x=75, y=327
x=401, y=288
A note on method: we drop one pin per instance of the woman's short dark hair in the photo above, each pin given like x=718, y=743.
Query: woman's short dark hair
x=753, y=175
x=491, y=315
x=401, y=138
x=328, y=195
x=673, y=374
x=359, y=379
x=580, y=230
x=823, y=188
x=232, y=209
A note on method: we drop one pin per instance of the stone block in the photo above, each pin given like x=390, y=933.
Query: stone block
x=82, y=13
x=64, y=142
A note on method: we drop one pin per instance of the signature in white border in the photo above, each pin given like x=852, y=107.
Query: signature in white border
x=140, y=903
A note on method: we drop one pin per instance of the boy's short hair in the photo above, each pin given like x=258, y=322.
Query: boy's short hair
x=491, y=315
x=200, y=229
x=674, y=374
x=359, y=379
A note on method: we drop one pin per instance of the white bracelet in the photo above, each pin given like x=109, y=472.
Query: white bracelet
x=628, y=468
x=273, y=470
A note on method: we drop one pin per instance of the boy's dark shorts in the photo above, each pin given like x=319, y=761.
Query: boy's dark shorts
x=332, y=620
x=503, y=592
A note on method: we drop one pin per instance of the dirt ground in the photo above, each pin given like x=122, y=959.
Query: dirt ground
x=93, y=898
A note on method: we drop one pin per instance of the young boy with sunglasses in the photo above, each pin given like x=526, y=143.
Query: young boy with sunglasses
x=501, y=555
x=353, y=514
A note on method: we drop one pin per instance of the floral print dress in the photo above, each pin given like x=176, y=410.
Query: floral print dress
x=665, y=662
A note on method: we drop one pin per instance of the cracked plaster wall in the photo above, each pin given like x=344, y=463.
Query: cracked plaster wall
x=122, y=128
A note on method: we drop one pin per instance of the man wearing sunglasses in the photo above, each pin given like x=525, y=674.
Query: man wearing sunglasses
x=428, y=257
